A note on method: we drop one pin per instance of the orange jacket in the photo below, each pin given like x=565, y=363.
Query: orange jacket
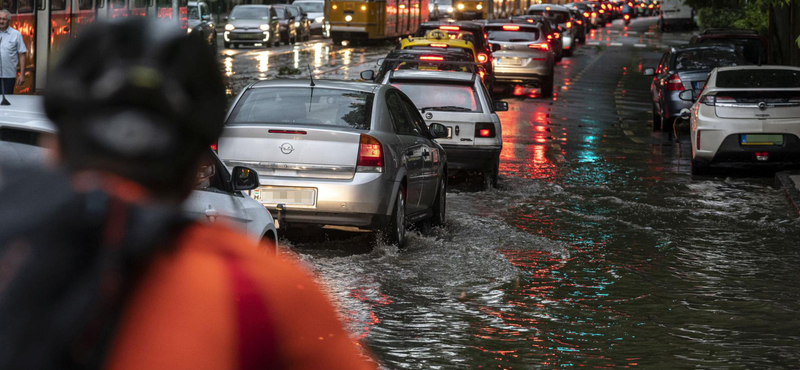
x=218, y=302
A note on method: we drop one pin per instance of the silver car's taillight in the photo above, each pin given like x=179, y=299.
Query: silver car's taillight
x=370, y=155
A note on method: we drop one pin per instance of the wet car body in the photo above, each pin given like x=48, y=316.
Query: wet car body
x=302, y=23
x=522, y=55
x=548, y=27
x=475, y=133
x=563, y=19
x=201, y=22
x=315, y=12
x=684, y=68
x=252, y=24
x=289, y=26
x=746, y=115
x=337, y=153
x=754, y=47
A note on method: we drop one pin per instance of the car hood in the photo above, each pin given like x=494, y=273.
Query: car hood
x=315, y=15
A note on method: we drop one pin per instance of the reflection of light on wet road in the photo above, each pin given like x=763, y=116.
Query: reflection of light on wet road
x=318, y=55
x=296, y=58
x=346, y=57
x=228, y=62
x=263, y=64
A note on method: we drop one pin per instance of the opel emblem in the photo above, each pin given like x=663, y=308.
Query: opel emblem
x=286, y=148
x=429, y=115
x=510, y=47
x=762, y=106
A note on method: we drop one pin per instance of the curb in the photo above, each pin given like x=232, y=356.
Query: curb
x=790, y=188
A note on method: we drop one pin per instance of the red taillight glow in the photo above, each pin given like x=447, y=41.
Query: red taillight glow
x=370, y=153
x=482, y=74
x=484, y=129
x=579, y=21
x=214, y=146
x=289, y=132
x=586, y=14
x=482, y=58
x=542, y=46
x=674, y=83
x=549, y=37
x=594, y=15
x=698, y=140
x=438, y=45
x=510, y=28
x=547, y=8
x=558, y=35
x=449, y=28
x=569, y=24
x=431, y=58
x=602, y=11
x=484, y=132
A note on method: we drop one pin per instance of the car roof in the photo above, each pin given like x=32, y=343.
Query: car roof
x=467, y=26
x=330, y=84
x=453, y=76
x=702, y=46
x=26, y=111
x=553, y=7
x=252, y=6
x=729, y=31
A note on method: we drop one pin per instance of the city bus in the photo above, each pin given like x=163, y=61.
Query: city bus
x=359, y=21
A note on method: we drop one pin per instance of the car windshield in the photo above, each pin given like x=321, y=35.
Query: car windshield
x=759, y=78
x=312, y=7
x=449, y=97
x=525, y=35
x=250, y=12
x=281, y=13
x=558, y=17
x=194, y=13
x=293, y=12
x=704, y=59
x=305, y=106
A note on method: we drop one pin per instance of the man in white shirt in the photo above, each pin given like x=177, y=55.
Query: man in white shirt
x=12, y=53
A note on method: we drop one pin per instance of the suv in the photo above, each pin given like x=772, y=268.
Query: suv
x=754, y=47
x=562, y=17
x=459, y=101
x=251, y=24
x=522, y=55
x=200, y=22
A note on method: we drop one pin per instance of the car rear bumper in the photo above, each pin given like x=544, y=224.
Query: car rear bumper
x=730, y=151
x=470, y=158
x=673, y=104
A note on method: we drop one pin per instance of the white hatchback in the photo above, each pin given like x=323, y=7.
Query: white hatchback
x=748, y=114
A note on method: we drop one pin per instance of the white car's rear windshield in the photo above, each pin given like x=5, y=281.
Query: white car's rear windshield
x=522, y=35
x=305, y=106
x=445, y=97
x=759, y=78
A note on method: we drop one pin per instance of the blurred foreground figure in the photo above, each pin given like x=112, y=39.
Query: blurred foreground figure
x=98, y=267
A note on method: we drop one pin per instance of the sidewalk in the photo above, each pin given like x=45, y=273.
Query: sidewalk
x=789, y=181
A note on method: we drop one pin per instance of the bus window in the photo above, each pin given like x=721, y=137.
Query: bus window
x=164, y=3
x=40, y=4
x=117, y=4
x=10, y=5
x=58, y=4
x=25, y=6
x=85, y=4
x=139, y=3
x=101, y=3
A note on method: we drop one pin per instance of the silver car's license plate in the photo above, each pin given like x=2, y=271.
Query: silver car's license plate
x=271, y=195
x=510, y=62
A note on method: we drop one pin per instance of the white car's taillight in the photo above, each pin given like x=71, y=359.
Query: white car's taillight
x=370, y=155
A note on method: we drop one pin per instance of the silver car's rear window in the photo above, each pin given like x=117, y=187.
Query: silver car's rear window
x=441, y=96
x=305, y=106
x=523, y=35
x=757, y=78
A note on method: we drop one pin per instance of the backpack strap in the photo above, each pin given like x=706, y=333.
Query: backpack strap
x=257, y=342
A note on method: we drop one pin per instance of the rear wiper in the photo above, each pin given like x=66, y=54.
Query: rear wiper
x=447, y=108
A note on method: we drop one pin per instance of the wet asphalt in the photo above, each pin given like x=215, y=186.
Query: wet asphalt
x=598, y=250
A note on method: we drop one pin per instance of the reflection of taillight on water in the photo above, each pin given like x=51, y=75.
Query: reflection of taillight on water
x=484, y=129
x=543, y=46
x=674, y=83
x=370, y=155
x=482, y=58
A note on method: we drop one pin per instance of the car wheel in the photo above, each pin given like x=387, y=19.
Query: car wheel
x=656, y=119
x=568, y=53
x=699, y=169
x=489, y=176
x=560, y=56
x=440, y=204
x=547, y=87
x=395, y=231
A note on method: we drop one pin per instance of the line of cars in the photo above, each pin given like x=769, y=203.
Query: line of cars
x=271, y=25
x=740, y=110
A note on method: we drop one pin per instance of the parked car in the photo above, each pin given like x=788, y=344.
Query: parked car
x=200, y=22
x=252, y=24
x=459, y=101
x=746, y=115
x=473, y=32
x=754, y=47
x=522, y=55
x=288, y=27
x=23, y=126
x=315, y=11
x=338, y=153
x=563, y=19
x=675, y=14
x=681, y=68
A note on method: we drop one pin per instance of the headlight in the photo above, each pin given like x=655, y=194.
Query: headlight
x=460, y=6
x=430, y=7
x=319, y=19
x=264, y=27
x=297, y=24
x=479, y=7
x=348, y=18
x=449, y=9
x=188, y=30
x=229, y=27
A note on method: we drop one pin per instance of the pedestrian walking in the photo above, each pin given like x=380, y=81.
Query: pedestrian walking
x=99, y=269
x=12, y=54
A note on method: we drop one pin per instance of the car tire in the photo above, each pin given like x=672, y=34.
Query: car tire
x=395, y=231
x=568, y=53
x=560, y=57
x=656, y=119
x=699, y=169
x=489, y=175
x=440, y=203
x=547, y=87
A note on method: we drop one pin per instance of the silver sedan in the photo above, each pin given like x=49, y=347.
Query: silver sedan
x=338, y=153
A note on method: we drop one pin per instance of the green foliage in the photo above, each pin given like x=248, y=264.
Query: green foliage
x=288, y=71
x=752, y=15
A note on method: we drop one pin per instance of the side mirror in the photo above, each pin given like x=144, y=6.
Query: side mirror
x=649, y=72
x=225, y=18
x=244, y=178
x=685, y=114
x=437, y=130
x=380, y=62
x=687, y=95
x=500, y=106
x=368, y=75
x=206, y=17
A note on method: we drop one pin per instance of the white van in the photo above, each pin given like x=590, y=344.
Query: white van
x=675, y=13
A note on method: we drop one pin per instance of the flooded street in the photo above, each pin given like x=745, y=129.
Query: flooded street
x=598, y=250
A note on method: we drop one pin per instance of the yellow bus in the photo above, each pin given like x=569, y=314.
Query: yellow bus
x=360, y=21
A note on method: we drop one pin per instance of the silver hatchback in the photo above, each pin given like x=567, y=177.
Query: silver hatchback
x=338, y=153
x=522, y=55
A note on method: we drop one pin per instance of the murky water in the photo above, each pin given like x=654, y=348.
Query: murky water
x=599, y=250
